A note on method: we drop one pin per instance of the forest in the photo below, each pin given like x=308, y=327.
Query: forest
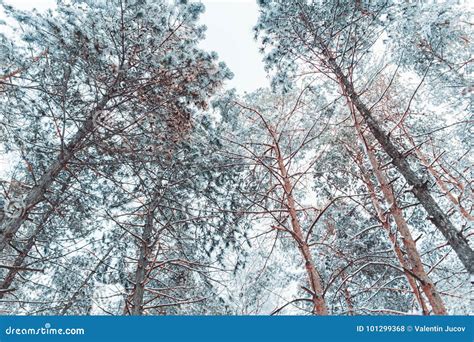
x=134, y=182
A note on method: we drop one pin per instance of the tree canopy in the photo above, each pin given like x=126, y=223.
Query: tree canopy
x=138, y=185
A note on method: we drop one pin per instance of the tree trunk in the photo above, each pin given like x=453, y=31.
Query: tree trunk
x=143, y=263
x=6, y=283
x=9, y=226
x=20, y=259
x=416, y=263
x=319, y=304
x=427, y=284
x=419, y=187
x=392, y=238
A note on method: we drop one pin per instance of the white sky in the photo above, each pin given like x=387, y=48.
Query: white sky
x=229, y=33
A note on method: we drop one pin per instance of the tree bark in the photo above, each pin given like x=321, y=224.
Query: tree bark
x=143, y=262
x=419, y=187
x=393, y=240
x=6, y=283
x=427, y=284
x=9, y=226
x=414, y=258
x=319, y=304
x=20, y=259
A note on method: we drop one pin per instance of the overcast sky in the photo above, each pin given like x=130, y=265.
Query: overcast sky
x=229, y=33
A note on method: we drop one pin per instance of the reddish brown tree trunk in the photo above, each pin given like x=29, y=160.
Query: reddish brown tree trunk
x=414, y=258
x=392, y=237
x=319, y=304
x=420, y=189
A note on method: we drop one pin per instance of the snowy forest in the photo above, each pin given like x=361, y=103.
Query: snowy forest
x=133, y=181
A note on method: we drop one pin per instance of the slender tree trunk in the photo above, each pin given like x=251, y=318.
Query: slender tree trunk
x=319, y=304
x=414, y=258
x=9, y=226
x=143, y=263
x=417, y=268
x=20, y=259
x=392, y=238
x=6, y=283
x=419, y=187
